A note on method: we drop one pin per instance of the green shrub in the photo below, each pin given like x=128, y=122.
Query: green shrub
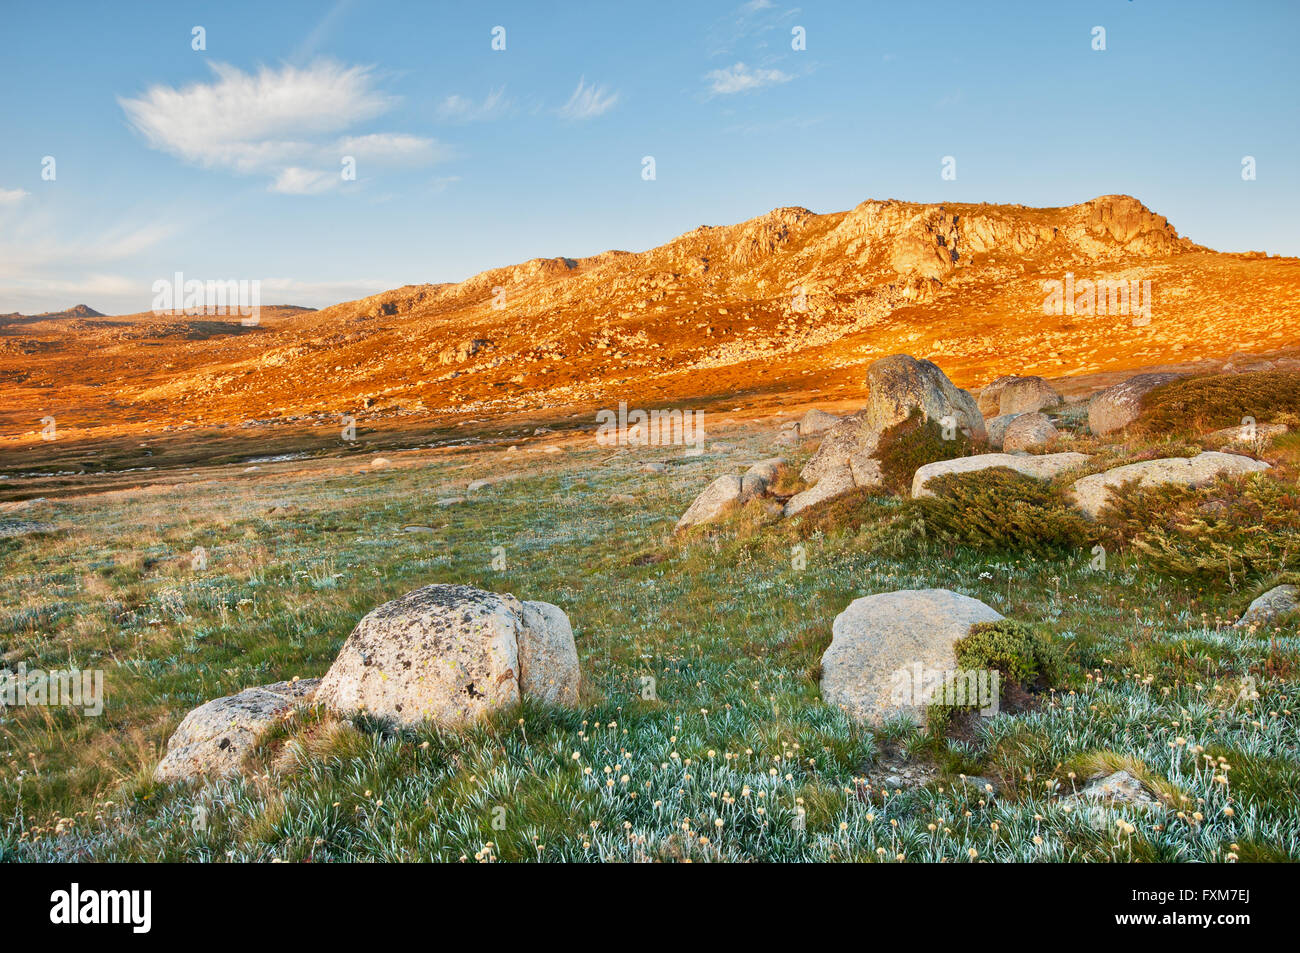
x=1021, y=653
x=1197, y=404
x=999, y=508
x=1247, y=528
x=911, y=444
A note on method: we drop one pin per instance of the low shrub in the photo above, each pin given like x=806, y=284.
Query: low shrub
x=911, y=444
x=1244, y=528
x=1021, y=653
x=999, y=508
x=1197, y=404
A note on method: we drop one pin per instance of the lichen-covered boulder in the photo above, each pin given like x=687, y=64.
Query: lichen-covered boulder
x=452, y=655
x=900, y=384
x=213, y=739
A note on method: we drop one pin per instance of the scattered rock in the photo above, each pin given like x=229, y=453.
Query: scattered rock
x=449, y=501
x=476, y=485
x=417, y=529
x=877, y=640
x=997, y=429
x=760, y=476
x=990, y=397
x=710, y=504
x=1118, y=406
x=1091, y=492
x=1028, y=430
x=1244, y=436
x=1041, y=467
x=213, y=739
x=548, y=656
x=1118, y=788
x=653, y=468
x=1024, y=395
x=622, y=498
x=451, y=655
x=815, y=422
x=1270, y=605
x=380, y=462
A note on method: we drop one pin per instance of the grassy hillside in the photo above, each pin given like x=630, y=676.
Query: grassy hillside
x=731, y=756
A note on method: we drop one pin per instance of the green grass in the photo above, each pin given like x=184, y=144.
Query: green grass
x=729, y=628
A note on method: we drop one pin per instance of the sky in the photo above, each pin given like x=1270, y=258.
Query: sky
x=229, y=161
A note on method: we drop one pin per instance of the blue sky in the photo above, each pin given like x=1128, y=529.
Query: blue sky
x=226, y=163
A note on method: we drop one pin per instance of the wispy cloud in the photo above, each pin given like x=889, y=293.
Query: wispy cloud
x=457, y=108
x=587, y=102
x=743, y=79
x=749, y=22
x=276, y=123
x=12, y=196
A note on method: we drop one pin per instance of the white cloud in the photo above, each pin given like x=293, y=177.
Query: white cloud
x=12, y=196
x=393, y=148
x=273, y=122
x=457, y=108
x=742, y=79
x=298, y=181
x=588, y=102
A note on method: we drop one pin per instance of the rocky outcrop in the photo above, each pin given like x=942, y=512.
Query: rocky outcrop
x=878, y=641
x=1028, y=430
x=452, y=655
x=1118, y=406
x=1091, y=493
x=899, y=385
x=1041, y=467
x=214, y=738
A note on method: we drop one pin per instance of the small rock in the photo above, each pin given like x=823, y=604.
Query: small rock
x=815, y=422
x=213, y=739
x=1279, y=599
x=1028, y=430
x=711, y=503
